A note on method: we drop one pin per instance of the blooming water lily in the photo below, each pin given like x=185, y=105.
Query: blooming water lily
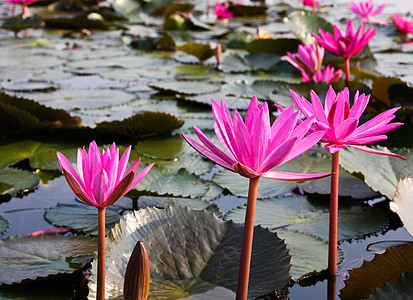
x=222, y=12
x=403, y=25
x=101, y=179
x=347, y=45
x=342, y=128
x=254, y=148
x=366, y=11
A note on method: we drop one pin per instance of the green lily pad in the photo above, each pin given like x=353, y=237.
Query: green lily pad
x=44, y=256
x=82, y=217
x=308, y=253
x=262, y=60
x=211, y=248
x=41, y=155
x=185, y=87
x=15, y=180
x=381, y=87
x=20, y=115
x=303, y=23
x=199, y=50
x=141, y=124
x=19, y=22
x=386, y=267
x=399, y=290
x=278, y=47
x=380, y=172
x=234, y=62
x=27, y=86
x=301, y=214
x=4, y=224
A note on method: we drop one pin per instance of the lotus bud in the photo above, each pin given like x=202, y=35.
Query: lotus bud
x=136, y=285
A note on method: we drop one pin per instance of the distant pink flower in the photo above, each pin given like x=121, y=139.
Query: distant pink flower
x=341, y=123
x=327, y=75
x=26, y=2
x=101, y=179
x=348, y=45
x=309, y=58
x=403, y=25
x=222, y=12
x=255, y=147
x=366, y=11
x=311, y=3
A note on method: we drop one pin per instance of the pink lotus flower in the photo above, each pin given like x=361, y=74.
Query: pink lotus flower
x=341, y=123
x=24, y=4
x=222, y=12
x=309, y=60
x=327, y=75
x=366, y=11
x=345, y=46
x=100, y=180
x=403, y=25
x=311, y=3
x=255, y=147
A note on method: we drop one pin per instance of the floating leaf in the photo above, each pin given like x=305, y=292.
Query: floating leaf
x=199, y=50
x=27, y=86
x=303, y=24
x=15, y=180
x=82, y=217
x=380, y=172
x=141, y=124
x=234, y=63
x=19, y=114
x=381, y=87
x=206, y=248
x=301, y=214
x=399, y=290
x=402, y=203
x=278, y=47
x=386, y=267
x=308, y=253
x=247, y=10
x=185, y=87
x=262, y=60
x=43, y=256
x=19, y=22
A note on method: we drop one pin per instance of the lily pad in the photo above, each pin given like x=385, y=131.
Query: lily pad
x=278, y=47
x=15, y=180
x=82, y=217
x=27, y=86
x=19, y=22
x=207, y=249
x=199, y=50
x=303, y=23
x=386, y=267
x=185, y=87
x=380, y=172
x=399, y=290
x=44, y=256
x=301, y=214
x=308, y=253
x=381, y=87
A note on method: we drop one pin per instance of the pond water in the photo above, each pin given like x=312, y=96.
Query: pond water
x=101, y=78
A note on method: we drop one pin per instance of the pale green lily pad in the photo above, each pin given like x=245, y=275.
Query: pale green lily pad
x=399, y=290
x=27, y=86
x=386, y=267
x=41, y=155
x=301, y=214
x=27, y=60
x=82, y=217
x=4, y=224
x=234, y=62
x=15, y=180
x=206, y=248
x=380, y=172
x=186, y=87
x=44, y=256
x=75, y=99
x=308, y=253
x=303, y=23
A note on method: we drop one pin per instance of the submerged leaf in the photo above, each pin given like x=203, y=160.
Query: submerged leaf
x=386, y=267
x=191, y=252
x=34, y=257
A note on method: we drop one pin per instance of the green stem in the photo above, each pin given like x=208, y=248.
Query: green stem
x=244, y=267
x=101, y=254
x=332, y=240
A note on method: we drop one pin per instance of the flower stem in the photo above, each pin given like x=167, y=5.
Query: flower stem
x=332, y=239
x=244, y=267
x=347, y=62
x=101, y=254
